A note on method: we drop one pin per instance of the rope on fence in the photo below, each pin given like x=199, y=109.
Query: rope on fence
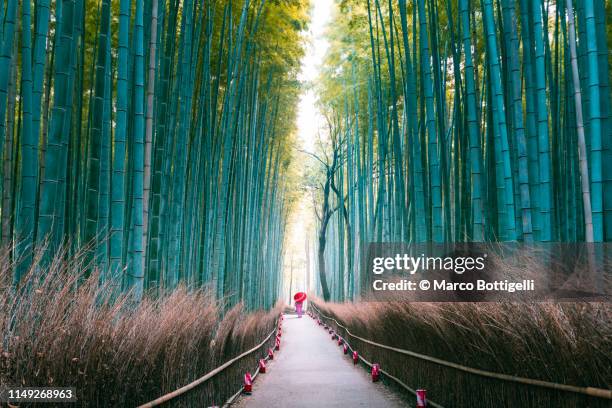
x=237, y=394
x=590, y=391
x=208, y=376
x=386, y=373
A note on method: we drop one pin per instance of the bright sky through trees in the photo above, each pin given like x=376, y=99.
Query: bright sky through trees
x=309, y=122
x=309, y=117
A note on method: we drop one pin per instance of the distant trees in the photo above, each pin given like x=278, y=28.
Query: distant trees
x=325, y=194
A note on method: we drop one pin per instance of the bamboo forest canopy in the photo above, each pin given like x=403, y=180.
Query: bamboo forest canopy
x=152, y=134
x=465, y=120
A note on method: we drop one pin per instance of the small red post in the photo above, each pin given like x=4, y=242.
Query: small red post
x=345, y=349
x=262, y=366
x=270, y=354
x=340, y=341
x=375, y=372
x=355, y=357
x=319, y=321
x=248, y=383
x=277, y=344
x=333, y=335
x=421, y=395
x=279, y=333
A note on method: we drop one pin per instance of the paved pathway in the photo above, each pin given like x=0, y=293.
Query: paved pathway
x=311, y=371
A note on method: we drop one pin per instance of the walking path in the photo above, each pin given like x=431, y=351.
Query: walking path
x=311, y=371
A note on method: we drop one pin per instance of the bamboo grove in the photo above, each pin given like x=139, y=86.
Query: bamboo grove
x=468, y=120
x=152, y=134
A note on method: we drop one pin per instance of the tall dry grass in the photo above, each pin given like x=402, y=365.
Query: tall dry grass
x=568, y=343
x=62, y=330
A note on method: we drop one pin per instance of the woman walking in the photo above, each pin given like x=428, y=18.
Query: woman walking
x=299, y=299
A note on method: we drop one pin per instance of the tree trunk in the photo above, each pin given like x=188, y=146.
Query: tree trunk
x=321, y=258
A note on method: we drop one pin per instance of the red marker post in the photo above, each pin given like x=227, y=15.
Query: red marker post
x=340, y=341
x=262, y=366
x=270, y=354
x=345, y=349
x=421, y=398
x=375, y=372
x=248, y=383
x=355, y=357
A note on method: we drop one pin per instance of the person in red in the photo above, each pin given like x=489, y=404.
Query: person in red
x=299, y=299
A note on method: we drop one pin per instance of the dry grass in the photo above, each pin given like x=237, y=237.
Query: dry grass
x=63, y=331
x=567, y=343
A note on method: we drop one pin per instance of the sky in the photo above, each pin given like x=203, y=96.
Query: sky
x=309, y=120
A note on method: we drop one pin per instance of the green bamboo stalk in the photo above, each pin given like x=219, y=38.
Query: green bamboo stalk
x=135, y=269
x=6, y=56
x=582, y=151
x=118, y=189
x=97, y=136
x=26, y=209
x=433, y=153
x=545, y=182
x=53, y=188
x=595, y=130
x=473, y=129
x=518, y=124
